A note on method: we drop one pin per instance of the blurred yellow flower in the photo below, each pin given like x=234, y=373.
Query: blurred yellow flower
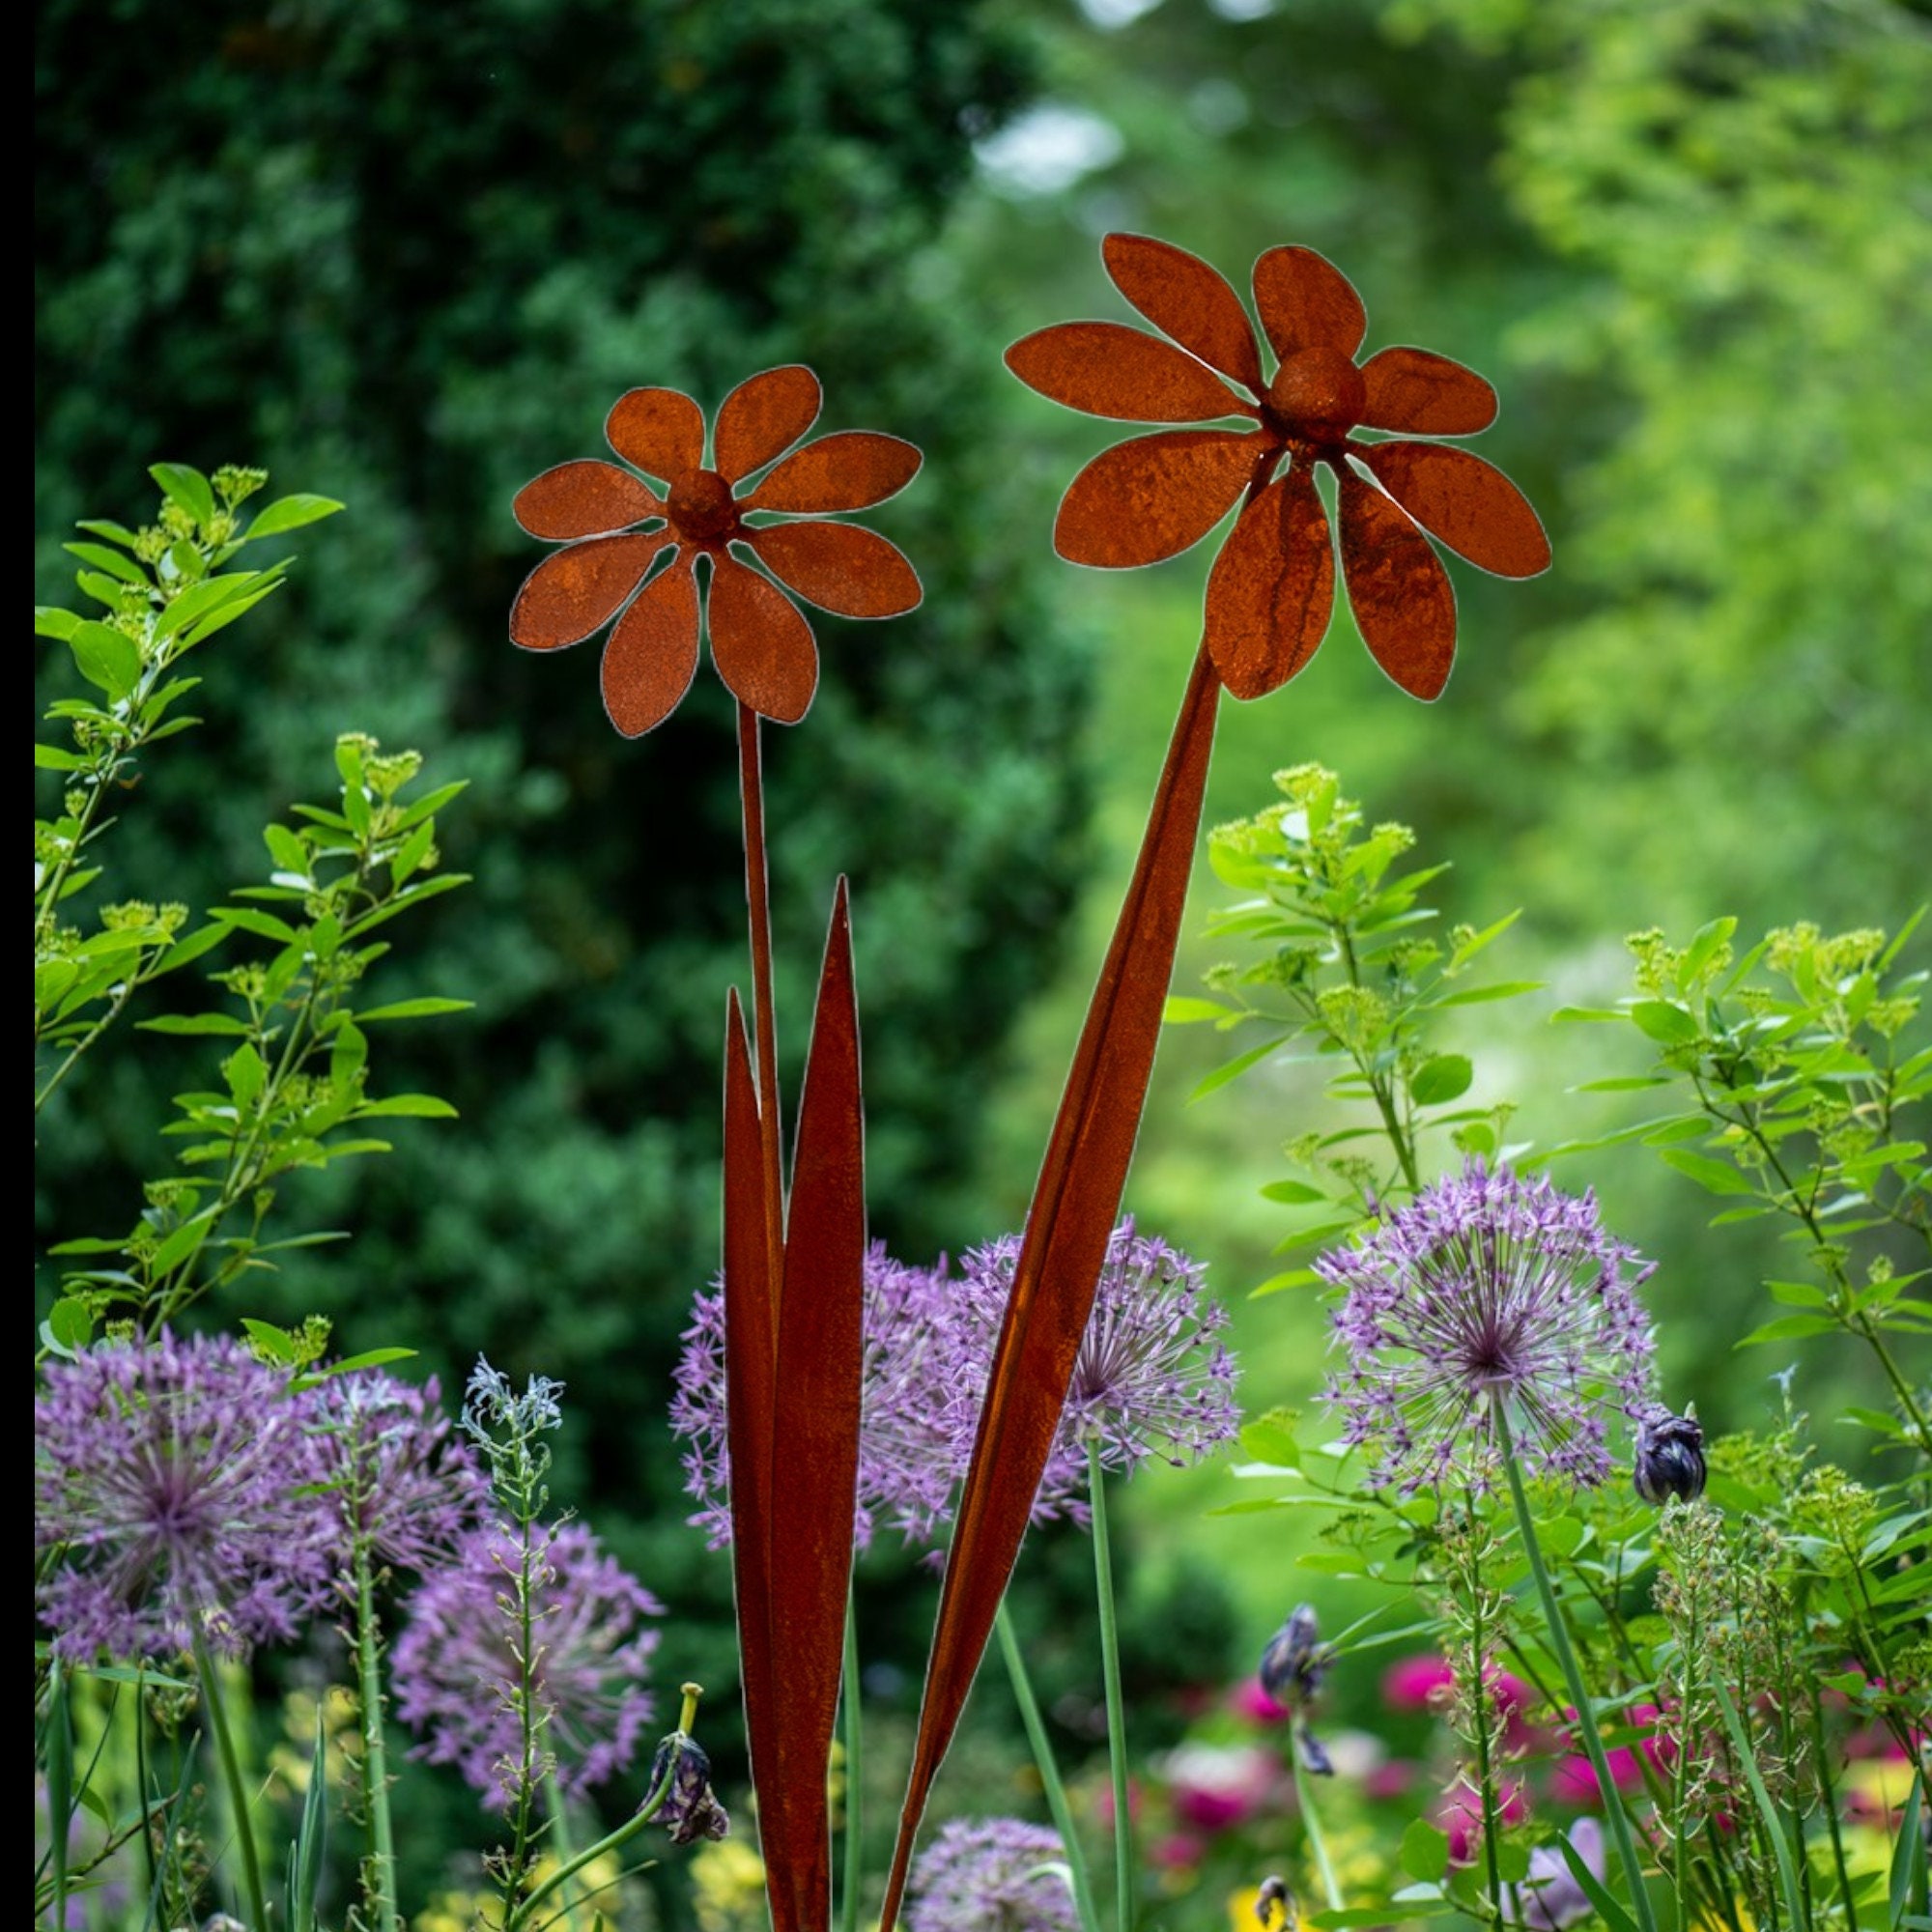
x=727, y=1879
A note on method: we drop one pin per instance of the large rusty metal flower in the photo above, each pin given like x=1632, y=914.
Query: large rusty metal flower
x=1272, y=586
x=613, y=525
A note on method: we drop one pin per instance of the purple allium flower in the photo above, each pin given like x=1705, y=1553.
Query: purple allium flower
x=403, y=1479
x=1150, y=1378
x=991, y=1875
x=909, y=1457
x=1552, y=1900
x=1488, y=1287
x=175, y=1493
x=455, y=1668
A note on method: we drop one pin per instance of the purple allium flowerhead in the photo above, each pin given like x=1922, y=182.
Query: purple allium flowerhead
x=991, y=1875
x=455, y=1662
x=175, y=1491
x=909, y=1457
x=1488, y=1288
x=404, y=1481
x=1150, y=1379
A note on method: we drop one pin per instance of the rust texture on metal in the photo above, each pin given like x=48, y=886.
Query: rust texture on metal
x=1272, y=589
x=614, y=523
x=1074, y=1205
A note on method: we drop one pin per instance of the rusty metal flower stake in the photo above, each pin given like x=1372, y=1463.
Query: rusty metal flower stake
x=1269, y=598
x=793, y=1269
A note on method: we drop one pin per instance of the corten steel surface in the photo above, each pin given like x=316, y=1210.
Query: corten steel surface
x=1272, y=586
x=1269, y=598
x=793, y=1297
x=613, y=525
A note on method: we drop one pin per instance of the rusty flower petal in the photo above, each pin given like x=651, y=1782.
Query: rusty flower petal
x=1152, y=497
x=577, y=589
x=1107, y=369
x=1426, y=394
x=760, y=643
x=850, y=470
x=662, y=431
x=1272, y=587
x=1305, y=301
x=1404, y=605
x=1187, y=300
x=840, y=567
x=652, y=654
x=1470, y=504
x=585, y=499
x=762, y=417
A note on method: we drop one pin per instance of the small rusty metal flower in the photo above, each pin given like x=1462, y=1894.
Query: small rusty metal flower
x=1272, y=587
x=614, y=525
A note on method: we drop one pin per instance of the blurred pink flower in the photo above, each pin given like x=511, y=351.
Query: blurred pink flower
x=1392, y=1778
x=1216, y=1787
x=1179, y=1850
x=1412, y=1682
x=1247, y=1699
x=1459, y=1813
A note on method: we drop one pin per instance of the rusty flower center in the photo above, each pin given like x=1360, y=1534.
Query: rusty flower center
x=1318, y=394
x=701, y=507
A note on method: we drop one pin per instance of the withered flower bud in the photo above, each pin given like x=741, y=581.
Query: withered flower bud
x=1295, y=1661
x=1669, y=1458
x=691, y=1810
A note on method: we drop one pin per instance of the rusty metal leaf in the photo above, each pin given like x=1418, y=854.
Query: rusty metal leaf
x=762, y=417
x=1153, y=496
x=1106, y=369
x=1405, y=607
x=1426, y=394
x=652, y=654
x=760, y=643
x=1272, y=587
x=1074, y=1205
x=1469, y=504
x=815, y=1437
x=575, y=591
x=1306, y=302
x=585, y=499
x=850, y=470
x=840, y=567
x=1189, y=300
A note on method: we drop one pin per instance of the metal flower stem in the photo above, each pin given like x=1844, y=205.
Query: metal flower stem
x=855, y=1767
x=252, y=1893
x=1116, y=1712
x=1573, y=1679
x=1049, y=1769
x=382, y=1882
x=560, y=1846
x=758, y=896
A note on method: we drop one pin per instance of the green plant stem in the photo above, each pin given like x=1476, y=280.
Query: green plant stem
x=527, y=1714
x=1572, y=1678
x=252, y=1891
x=1056, y=1806
x=520, y=1916
x=1311, y=1822
x=1773, y=1830
x=559, y=1838
x=1117, y=1714
x=855, y=1766
x=382, y=1893
x=1826, y=1790
x=1478, y=1706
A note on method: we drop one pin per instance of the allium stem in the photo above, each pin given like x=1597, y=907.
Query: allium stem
x=1572, y=1678
x=382, y=1879
x=1056, y=1806
x=1311, y=1822
x=560, y=1847
x=252, y=1893
x=1116, y=1712
x=855, y=1766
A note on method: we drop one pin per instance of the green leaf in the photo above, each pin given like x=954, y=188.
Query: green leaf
x=55, y=758
x=196, y=1023
x=1424, y=1850
x=186, y=487
x=1668, y=1024
x=1270, y=1439
x=1499, y=989
x=423, y=1008
x=1704, y=947
x=286, y=849
x=347, y=1057
x=1788, y=1329
x=1716, y=1175
x=413, y=1106
x=1472, y=946
x=71, y=1323
x=1184, y=1013
x=1441, y=1078
x=245, y=1074
x=275, y=1344
x=414, y=850
x=1906, y=1882
x=106, y=658
x=1232, y=1069
x=290, y=513
x=180, y=1243
x=1625, y=1083
x=1290, y=1278
x=266, y=925
x=1295, y=1193
x=52, y=621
